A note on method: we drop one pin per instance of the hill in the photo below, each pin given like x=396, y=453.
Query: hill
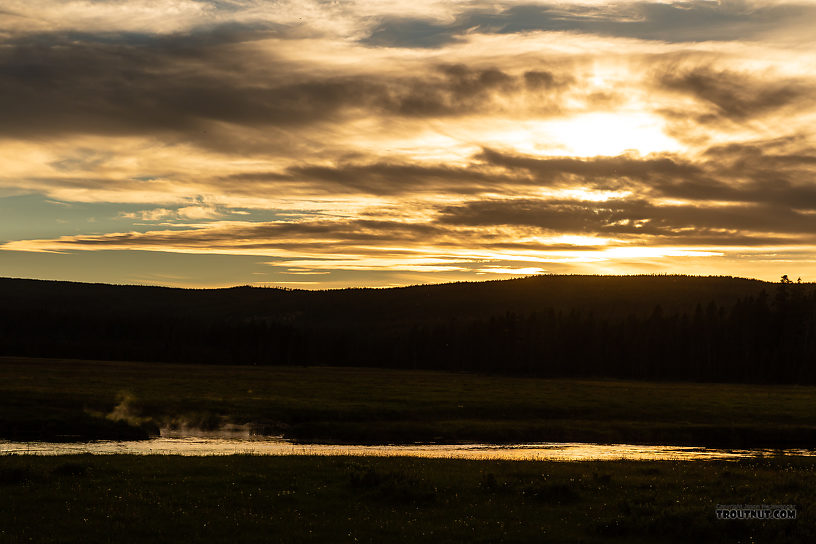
x=663, y=327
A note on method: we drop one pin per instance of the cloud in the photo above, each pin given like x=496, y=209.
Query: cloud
x=690, y=21
x=623, y=218
x=191, y=84
x=755, y=172
x=549, y=169
x=186, y=212
x=150, y=215
x=507, y=226
x=436, y=137
x=382, y=178
x=198, y=212
x=737, y=96
x=242, y=235
x=321, y=239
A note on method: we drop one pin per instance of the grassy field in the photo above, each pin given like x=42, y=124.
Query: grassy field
x=69, y=400
x=339, y=499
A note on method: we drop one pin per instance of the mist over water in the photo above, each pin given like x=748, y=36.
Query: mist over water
x=228, y=432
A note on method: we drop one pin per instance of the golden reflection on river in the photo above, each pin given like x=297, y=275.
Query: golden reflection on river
x=198, y=446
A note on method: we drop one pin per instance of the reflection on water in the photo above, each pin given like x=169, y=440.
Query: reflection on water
x=278, y=446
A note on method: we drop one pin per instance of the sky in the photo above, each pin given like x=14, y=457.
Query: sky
x=321, y=144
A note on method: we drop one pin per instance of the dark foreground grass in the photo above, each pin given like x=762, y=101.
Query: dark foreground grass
x=349, y=499
x=72, y=400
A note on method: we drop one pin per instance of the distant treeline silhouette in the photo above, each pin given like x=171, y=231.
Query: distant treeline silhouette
x=641, y=327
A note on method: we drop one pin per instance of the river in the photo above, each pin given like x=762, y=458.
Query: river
x=213, y=445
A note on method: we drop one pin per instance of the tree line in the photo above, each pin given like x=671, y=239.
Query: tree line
x=658, y=329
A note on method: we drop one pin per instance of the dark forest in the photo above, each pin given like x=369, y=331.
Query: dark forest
x=638, y=327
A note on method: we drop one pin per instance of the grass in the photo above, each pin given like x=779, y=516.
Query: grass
x=69, y=400
x=340, y=499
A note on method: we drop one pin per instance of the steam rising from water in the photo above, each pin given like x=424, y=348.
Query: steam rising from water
x=229, y=431
x=126, y=410
x=201, y=424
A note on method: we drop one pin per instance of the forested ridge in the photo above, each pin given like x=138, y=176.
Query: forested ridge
x=643, y=327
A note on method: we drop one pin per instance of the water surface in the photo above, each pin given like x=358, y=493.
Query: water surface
x=203, y=445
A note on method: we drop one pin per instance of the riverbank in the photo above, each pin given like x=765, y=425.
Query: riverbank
x=341, y=499
x=46, y=399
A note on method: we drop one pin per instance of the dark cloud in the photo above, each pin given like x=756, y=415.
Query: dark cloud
x=458, y=90
x=608, y=172
x=777, y=172
x=398, y=178
x=127, y=87
x=633, y=217
x=529, y=246
x=759, y=173
x=785, y=156
x=136, y=84
x=771, y=173
x=378, y=178
x=735, y=173
x=734, y=95
x=492, y=170
x=692, y=21
x=269, y=235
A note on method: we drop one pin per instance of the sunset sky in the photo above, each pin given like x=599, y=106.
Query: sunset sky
x=314, y=144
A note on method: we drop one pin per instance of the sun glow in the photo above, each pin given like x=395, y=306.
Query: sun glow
x=610, y=134
x=585, y=135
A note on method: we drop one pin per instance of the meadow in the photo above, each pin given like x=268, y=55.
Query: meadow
x=51, y=399
x=345, y=499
